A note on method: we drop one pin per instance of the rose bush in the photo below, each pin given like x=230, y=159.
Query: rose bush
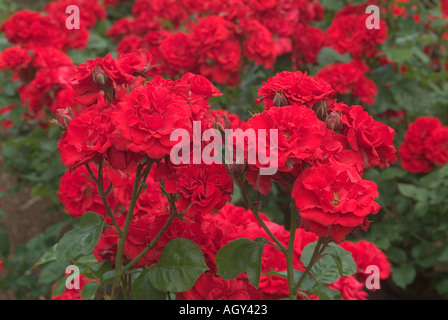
x=341, y=98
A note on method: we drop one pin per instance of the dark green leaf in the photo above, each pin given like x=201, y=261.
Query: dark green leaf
x=180, y=265
x=241, y=255
x=334, y=263
x=142, y=289
x=89, y=290
x=82, y=239
x=403, y=276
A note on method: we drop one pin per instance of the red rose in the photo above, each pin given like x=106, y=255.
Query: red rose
x=202, y=188
x=412, y=160
x=177, y=53
x=213, y=287
x=86, y=138
x=259, y=45
x=299, y=133
x=308, y=41
x=349, y=78
x=135, y=63
x=437, y=146
x=348, y=33
x=366, y=254
x=373, y=138
x=333, y=199
x=298, y=88
x=14, y=58
x=350, y=288
x=414, y=150
x=101, y=74
x=31, y=30
x=79, y=194
x=146, y=117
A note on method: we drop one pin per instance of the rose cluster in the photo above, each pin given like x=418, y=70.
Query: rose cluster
x=425, y=145
x=127, y=120
x=323, y=147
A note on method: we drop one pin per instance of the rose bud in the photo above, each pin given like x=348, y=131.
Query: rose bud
x=63, y=117
x=334, y=121
x=321, y=109
x=99, y=76
x=280, y=100
x=238, y=171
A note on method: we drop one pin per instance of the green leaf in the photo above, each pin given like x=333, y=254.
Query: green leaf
x=334, y=263
x=403, y=276
x=48, y=256
x=52, y=272
x=396, y=255
x=325, y=293
x=333, y=5
x=82, y=239
x=399, y=55
x=241, y=255
x=142, y=289
x=306, y=285
x=442, y=287
x=180, y=265
x=328, y=55
x=4, y=242
x=413, y=192
x=89, y=290
x=59, y=288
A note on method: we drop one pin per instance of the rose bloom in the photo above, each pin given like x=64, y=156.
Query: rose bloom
x=298, y=88
x=213, y=287
x=350, y=288
x=308, y=41
x=365, y=254
x=350, y=78
x=437, y=146
x=86, y=138
x=14, y=58
x=259, y=45
x=203, y=188
x=79, y=194
x=414, y=150
x=412, y=160
x=177, y=53
x=300, y=133
x=333, y=199
x=146, y=117
x=373, y=138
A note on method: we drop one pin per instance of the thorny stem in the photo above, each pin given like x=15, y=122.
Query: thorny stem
x=290, y=254
x=320, y=246
x=103, y=194
x=150, y=245
x=122, y=237
x=255, y=212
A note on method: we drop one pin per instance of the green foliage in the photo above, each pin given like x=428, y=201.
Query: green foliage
x=180, y=265
x=334, y=263
x=82, y=239
x=23, y=275
x=241, y=255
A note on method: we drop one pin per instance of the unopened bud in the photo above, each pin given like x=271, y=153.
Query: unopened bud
x=334, y=121
x=219, y=127
x=280, y=100
x=238, y=171
x=321, y=109
x=63, y=117
x=99, y=76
